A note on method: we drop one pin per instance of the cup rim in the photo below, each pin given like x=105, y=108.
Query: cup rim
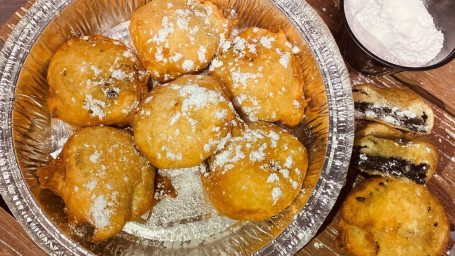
x=439, y=64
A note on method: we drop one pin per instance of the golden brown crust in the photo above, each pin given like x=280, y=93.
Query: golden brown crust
x=95, y=80
x=258, y=174
x=406, y=106
x=386, y=216
x=380, y=130
x=102, y=178
x=182, y=123
x=263, y=76
x=417, y=151
x=177, y=37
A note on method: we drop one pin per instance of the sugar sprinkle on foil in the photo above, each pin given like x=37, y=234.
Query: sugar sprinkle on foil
x=189, y=216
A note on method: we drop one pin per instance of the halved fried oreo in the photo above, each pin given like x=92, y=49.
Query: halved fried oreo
x=414, y=159
x=399, y=108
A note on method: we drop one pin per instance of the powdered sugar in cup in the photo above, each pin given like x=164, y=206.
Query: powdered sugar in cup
x=388, y=36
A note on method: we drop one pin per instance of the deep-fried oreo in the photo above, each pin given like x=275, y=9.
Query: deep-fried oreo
x=414, y=159
x=387, y=216
x=102, y=178
x=399, y=108
x=263, y=76
x=95, y=80
x=258, y=174
x=177, y=37
x=182, y=123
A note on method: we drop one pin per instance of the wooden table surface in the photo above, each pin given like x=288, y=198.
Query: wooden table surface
x=436, y=86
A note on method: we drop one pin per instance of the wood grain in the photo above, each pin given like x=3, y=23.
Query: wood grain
x=436, y=86
x=13, y=10
x=13, y=239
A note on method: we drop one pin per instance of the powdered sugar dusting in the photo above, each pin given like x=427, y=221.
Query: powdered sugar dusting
x=241, y=79
x=188, y=65
x=266, y=41
x=276, y=194
x=318, y=245
x=196, y=97
x=91, y=185
x=273, y=178
x=215, y=64
x=164, y=32
x=289, y=162
x=94, y=106
x=95, y=70
x=95, y=156
x=189, y=99
x=201, y=54
x=258, y=155
x=170, y=154
x=100, y=212
x=285, y=58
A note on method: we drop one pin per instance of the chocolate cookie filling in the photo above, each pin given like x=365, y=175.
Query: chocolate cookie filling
x=394, y=166
x=417, y=124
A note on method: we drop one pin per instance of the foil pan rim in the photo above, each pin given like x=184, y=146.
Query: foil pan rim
x=13, y=189
x=341, y=128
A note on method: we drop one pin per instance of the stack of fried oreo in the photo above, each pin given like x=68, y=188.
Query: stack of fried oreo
x=392, y=144
x=393, y=213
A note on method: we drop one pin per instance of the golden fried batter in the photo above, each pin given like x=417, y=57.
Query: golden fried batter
x=400, y=108
x=383, y=131
x=182, y=123
x=386, y=216
x=415, y=159
x=102, y=178
x=263, y=75
x=258, y=174
x=95, y=80
x=176, y=37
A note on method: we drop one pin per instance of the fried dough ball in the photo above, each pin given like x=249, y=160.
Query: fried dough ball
x=263, y=75
x=258, y=174
x=388, y=216
x=95, y=80
x=182, y=123
x=176, y=37
x=102, y=178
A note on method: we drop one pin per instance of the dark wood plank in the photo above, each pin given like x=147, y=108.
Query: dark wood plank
x=14, y=240
x=438, y=82
x=4, y=206
x=11, y=11
x=9, y=7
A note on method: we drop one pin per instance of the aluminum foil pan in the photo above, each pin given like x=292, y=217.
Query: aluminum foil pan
x=187, y=224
